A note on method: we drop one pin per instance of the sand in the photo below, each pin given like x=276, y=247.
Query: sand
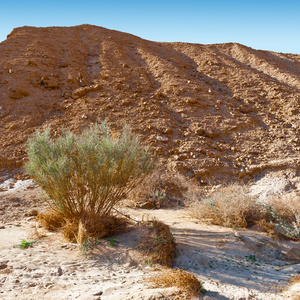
x=232, y=264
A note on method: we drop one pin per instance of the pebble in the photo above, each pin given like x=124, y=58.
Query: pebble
x=162, y=138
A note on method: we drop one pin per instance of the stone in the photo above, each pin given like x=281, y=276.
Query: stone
x=18, y=93
x=33, y=212
x=145, y=205
x=94, y=87
x=80, y=92
x=3, y=265
x=162, y=138
x=50, y=84
x=191, y=101
x=81, y=79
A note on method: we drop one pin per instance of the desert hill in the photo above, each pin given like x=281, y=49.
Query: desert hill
x=221, y=110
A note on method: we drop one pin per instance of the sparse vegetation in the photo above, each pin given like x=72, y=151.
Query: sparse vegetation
x=113, y=242
x=24, y=244
x=185, y=282
x=284, y=214
x=163, y=188
x=86, y=175
x=231, y=206
x=228, y=206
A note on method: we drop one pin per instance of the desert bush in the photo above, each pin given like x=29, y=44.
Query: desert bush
x=284, y=213
x=232, y=206
x=86, y=175
x=162, y=187
x=228, y=206
x=184, y=281
x=159, y=246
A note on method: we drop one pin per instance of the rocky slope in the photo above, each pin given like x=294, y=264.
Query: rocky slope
x=220, y=110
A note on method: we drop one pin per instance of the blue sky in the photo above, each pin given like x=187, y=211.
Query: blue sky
x=265, y=24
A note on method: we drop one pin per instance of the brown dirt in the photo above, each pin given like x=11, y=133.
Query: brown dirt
x=207, y=110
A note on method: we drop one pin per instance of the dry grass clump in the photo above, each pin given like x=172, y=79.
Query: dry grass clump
x=227, y=206
x=91, y=226
x=51, y=220
x=284, y=213
x=159, y=246
x=232, y=206
x=162, y=188
x=184, y=281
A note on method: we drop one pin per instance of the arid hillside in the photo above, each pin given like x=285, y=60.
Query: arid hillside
x=220, y=110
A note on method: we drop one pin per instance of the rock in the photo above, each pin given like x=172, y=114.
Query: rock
x=126, y=102
x=98, y=293
x=162, y=138
x=12, y=127
x=50, y=84
x=82, y=80
x=242, y=173
x=94, y=87
x=33, y=213
x=191, y=101
x=3, y=265
x=18, y=93
x=79, y=93
x=145, y=205
x=2, y=227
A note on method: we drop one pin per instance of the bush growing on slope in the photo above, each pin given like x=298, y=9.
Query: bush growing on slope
x=86, y=175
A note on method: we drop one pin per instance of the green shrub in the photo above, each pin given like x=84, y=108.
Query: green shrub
x=88, y=174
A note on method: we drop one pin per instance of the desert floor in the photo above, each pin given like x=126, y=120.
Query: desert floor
x=232, y=264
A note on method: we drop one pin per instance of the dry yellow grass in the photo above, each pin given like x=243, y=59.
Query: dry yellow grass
x=159, y=246
x=227, y=206
x=51, y=220
x=93, y=226
x=163, y=188
x=185, y=282
x=232, y=206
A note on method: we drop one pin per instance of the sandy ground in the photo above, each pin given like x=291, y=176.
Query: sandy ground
x=231, y=264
